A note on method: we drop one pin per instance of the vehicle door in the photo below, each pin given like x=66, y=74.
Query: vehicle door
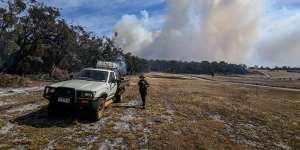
x=112, y=84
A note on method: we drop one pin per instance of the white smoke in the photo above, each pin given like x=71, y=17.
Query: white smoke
x=132, y=33
x=230, y=30
x=280, y=45
x=122, y=66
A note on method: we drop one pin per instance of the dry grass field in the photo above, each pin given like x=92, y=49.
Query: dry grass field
x=282, y=79
x=183, y=112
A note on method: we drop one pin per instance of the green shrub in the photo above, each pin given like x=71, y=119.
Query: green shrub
x=1, y=63
x=7, y=80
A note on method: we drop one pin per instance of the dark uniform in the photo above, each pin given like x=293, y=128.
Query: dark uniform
x=143, y=85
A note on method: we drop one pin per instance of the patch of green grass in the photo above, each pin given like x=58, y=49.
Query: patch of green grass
x=7, y=80
x=84, y=133
x=1, y=123
x=295, y=143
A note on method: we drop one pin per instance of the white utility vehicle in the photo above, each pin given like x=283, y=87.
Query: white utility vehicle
x=93, y=89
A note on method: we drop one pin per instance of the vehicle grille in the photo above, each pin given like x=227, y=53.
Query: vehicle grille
x=65, y=92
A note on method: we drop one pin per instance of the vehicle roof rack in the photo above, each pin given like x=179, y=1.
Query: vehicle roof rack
x=107, y=65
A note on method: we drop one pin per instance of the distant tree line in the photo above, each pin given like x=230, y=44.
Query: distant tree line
x=136, y=65
x=284, y=68
x=203, y=67
x=34, y=39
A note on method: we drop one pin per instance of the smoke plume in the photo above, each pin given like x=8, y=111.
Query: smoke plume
x=214, y=30
x=280, y=45
x=132, y=33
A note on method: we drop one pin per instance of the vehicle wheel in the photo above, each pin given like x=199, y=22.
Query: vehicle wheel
x=118, y=98
x=98, y=110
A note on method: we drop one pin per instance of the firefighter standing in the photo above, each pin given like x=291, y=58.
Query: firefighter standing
x=143, y=85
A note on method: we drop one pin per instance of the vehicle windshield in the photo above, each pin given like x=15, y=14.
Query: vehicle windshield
x=94, y=75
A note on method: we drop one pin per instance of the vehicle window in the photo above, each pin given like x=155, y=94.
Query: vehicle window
x=111, y=77
x=96, y=75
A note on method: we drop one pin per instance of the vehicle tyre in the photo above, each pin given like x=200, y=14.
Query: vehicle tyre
x=118, y=98
x=98, y=110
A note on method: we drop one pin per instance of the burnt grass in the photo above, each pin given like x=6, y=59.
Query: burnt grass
x=181, y=113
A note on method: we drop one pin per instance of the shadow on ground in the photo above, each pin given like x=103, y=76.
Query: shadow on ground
x=63, y=118
x=41, y=119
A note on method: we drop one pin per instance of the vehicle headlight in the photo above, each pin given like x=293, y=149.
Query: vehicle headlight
x=85, y=95
x=51, y=90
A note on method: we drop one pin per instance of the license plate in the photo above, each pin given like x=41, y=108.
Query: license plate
x=63, y=100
